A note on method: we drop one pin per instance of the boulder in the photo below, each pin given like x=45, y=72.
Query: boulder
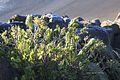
x=96, y=22
x=114, y=33
x=19, y=18
x=4, y=26
x=96, y=32
x=106, y=23
x=116, y=42
x=20, y=24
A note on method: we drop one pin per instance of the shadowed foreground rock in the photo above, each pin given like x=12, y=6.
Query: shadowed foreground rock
x=6, y=71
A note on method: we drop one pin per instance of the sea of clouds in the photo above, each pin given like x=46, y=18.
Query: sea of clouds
x=4, y=1
x=2, y=4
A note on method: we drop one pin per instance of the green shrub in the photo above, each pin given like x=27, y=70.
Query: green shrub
x=49, y=54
